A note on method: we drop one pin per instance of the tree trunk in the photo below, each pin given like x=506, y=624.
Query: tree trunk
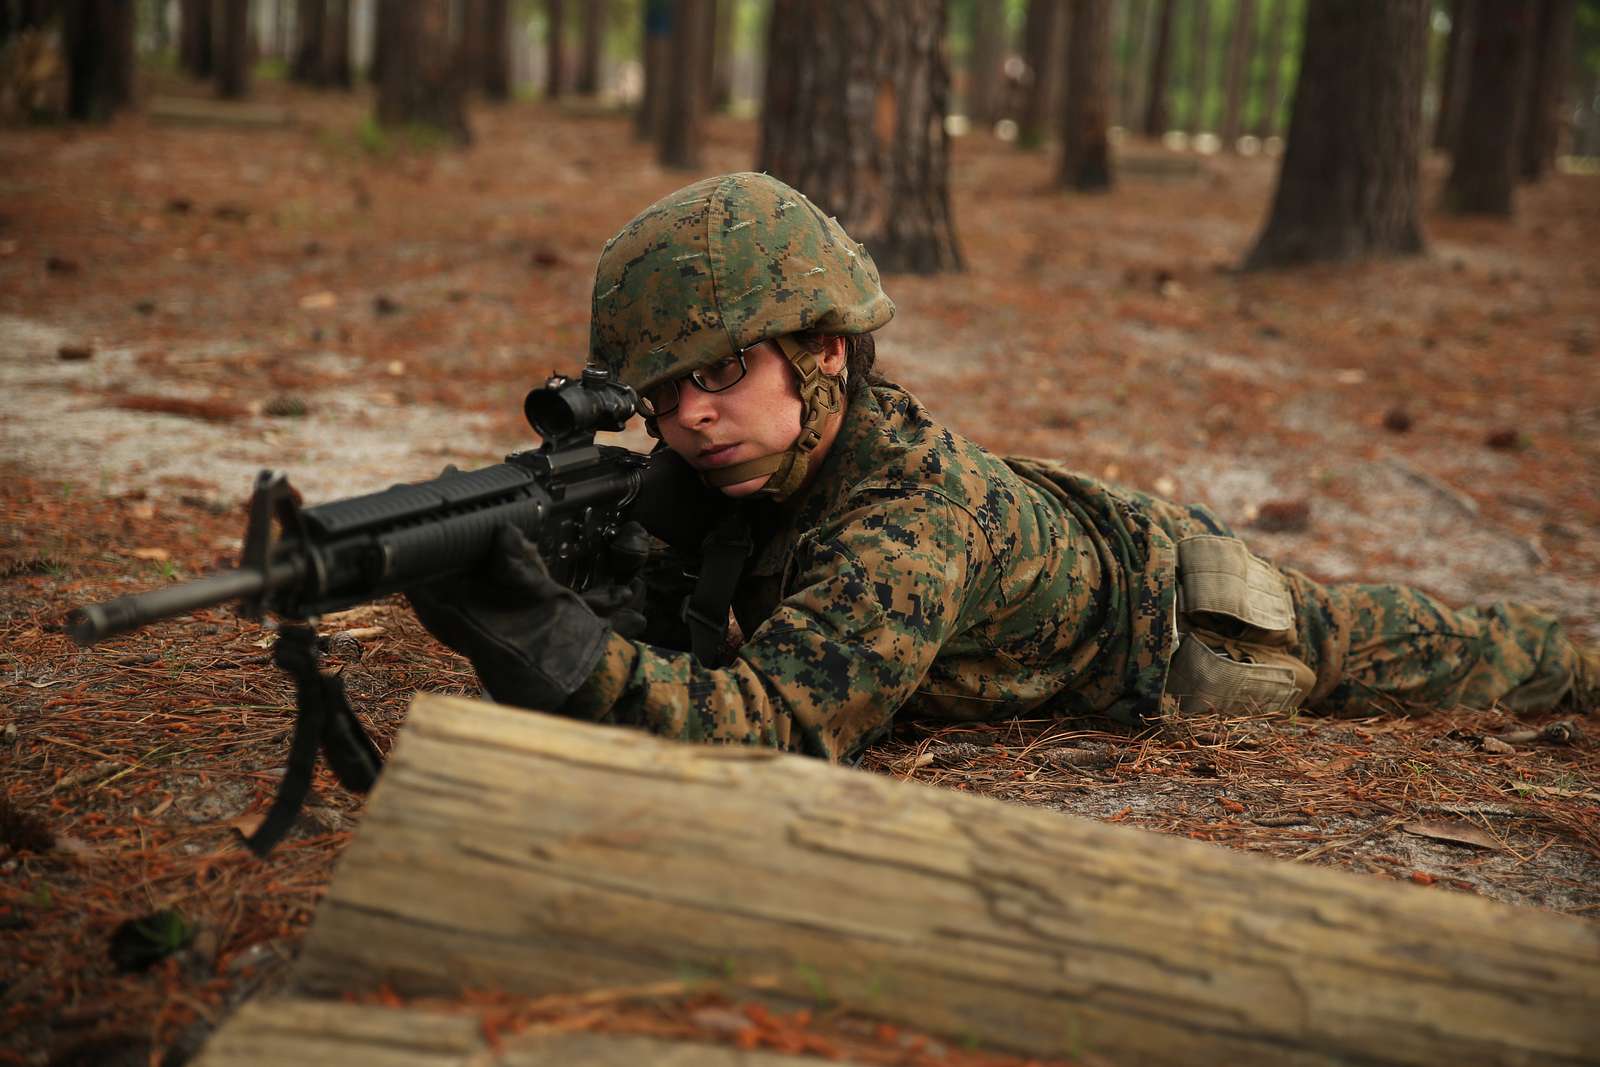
x=233, y=49
x=1349, y=184
x=490, y=47
x=727, y=55
x=1199, y=66
x=333, y=61
x=1272, y=57
x=594, y=36
x=1458, y=72
x=657, y=44
x=97, y=46
x=1483, y=173
x=533, y=855
x=681, y=133
x=1130, y=60
x=1239, y=57
x=857, y=92
x=1155, y=108
x=310, y=16
x=555, y=50
x=1085, y=148
x=988, y=34
x=421, y=83
x=195, y=36
x=1044, y=46
x=1541, y=131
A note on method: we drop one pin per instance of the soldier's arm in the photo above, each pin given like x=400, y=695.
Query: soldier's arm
x=875, y=600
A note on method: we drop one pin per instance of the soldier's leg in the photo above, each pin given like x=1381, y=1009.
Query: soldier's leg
x=1390, y=648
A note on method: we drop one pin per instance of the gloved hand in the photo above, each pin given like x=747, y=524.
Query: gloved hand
x=532, y=640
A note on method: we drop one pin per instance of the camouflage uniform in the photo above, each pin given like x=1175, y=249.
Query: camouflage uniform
x=920, y=571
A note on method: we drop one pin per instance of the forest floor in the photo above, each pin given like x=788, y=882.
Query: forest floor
x=183, y=303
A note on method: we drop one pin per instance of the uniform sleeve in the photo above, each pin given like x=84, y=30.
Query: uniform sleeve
x=876, y=597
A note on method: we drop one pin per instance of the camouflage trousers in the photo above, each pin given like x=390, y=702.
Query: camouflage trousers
x=1378, y=649
x=1391, y=648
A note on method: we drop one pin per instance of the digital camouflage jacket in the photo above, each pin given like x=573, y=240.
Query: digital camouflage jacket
x=921, y=572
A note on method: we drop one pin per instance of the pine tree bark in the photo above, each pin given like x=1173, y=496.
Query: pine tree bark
x=421, y=83
x=310, y=16
x=1457, y=71
x=1129, y=59
x=988, y=35
x=1199, y=66
x=1156, y=108
x=489, y=47
x=555, y=49
x=233, y=49
x=1272, y=58
x=1085, y=147
x=195, y=38
x=1240, y=41
x=853, y=116
x=1350, y=179
x=1044, y=46
x=681, y=134
x=1483, y=173
x=97, y=45
x=593, y=49
x=1552, y=51
x=656, y=40
x=537, y=856
x=333, y=60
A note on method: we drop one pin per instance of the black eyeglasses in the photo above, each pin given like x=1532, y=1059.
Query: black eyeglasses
x=662, y=398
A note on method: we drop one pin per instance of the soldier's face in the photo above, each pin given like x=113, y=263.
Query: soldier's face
x=757, y=417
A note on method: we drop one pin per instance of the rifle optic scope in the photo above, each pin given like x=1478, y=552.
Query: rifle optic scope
x=563, y=408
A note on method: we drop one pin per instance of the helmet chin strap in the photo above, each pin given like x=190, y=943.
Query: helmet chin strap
x=821, y=401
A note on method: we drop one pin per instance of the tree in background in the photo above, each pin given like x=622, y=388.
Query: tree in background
x=1134, y=53
x=1238, y=74
x=1552, y=53
x=1199, y=67
x=1043, y=43
x=421, y=83
x=97, y=45
x=1453, y=80
x=681, y=129
x=487, y=47
x=1349, y=183
x=1272, y=58
x=1155, y=107
x=306, y=66
x=556, y=53
x=233, y=49
x=593, y=33
x=333, y=68
x=195, y=38
x=988, y=36
x=854, y=118
x=657, y=49
x=1483, y=173
x=1085, y=150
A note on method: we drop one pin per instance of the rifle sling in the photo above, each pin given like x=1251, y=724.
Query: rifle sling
x=324, y=721
x=723, y=555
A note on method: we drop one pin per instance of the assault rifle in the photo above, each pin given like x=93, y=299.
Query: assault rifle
x=569, y=496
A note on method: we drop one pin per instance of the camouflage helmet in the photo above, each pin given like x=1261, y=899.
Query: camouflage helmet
x=721, y=265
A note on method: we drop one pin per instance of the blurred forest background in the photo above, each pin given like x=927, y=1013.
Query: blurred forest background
x=1331, y=267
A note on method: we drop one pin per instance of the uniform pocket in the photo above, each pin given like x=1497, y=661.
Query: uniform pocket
x=1220, y=580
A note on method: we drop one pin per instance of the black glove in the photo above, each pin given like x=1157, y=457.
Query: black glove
x=532, y=640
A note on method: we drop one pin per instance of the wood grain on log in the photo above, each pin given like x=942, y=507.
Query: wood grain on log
x=515, y=851
x=294, y=1032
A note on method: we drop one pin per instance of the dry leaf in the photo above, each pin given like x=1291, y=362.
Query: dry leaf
x=1332, y=767
x=156, y=555
x=248, y=823
x=318, y=301
x=1455, y=833
x=363, y=633
x=1497, y=747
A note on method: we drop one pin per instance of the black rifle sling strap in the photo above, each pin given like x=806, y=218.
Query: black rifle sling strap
x=324, y=721
x=723, y=555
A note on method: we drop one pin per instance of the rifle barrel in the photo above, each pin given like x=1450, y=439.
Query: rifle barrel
x=96, y=622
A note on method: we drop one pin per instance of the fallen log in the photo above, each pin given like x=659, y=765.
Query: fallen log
x=525, y=853
x=294, y=1032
